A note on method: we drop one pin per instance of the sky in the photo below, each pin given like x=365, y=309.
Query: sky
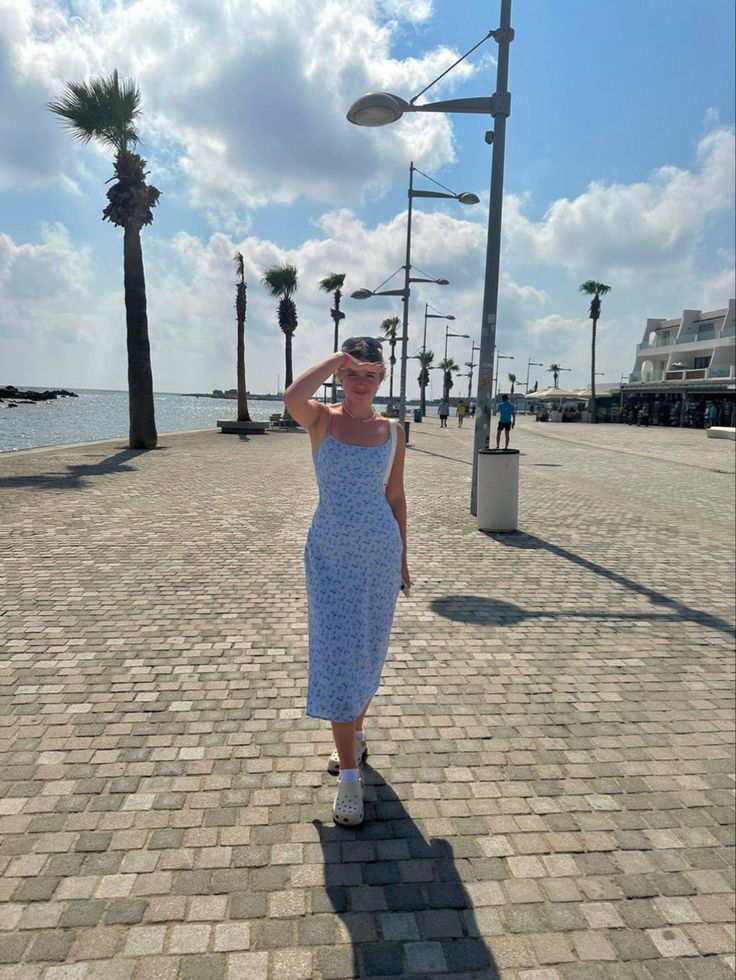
x=619, y=167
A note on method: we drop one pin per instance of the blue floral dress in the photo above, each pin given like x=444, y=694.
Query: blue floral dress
x=352, y=561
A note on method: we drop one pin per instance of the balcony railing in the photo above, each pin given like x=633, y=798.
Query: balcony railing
x=698, y=338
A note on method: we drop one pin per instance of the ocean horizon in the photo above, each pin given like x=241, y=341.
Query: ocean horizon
x=102, y=413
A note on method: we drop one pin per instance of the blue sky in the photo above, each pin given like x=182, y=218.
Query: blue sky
x=619, y=167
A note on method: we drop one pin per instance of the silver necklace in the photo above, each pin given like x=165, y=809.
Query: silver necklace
x=348, y=412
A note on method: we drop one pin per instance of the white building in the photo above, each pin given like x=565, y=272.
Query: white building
x=689, y=360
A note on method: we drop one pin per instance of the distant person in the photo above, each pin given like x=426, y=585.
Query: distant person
x=506, y=420
x=711, y=415
x=472, y=411
x=443, y=410
x=460, y=412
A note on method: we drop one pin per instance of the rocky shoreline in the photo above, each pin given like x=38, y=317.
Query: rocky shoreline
x=14, y=397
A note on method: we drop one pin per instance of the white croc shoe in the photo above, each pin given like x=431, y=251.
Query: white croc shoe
x=361, y=751
x=348, y=806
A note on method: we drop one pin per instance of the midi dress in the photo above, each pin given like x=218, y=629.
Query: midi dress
x=352, y=562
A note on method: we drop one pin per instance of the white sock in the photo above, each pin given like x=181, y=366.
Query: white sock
x=348, y=775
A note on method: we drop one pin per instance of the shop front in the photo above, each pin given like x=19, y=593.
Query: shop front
x=685, y=406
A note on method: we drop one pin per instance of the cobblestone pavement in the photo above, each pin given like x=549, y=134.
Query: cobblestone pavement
x=550, y=777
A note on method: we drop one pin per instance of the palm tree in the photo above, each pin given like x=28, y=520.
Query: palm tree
x=425, y=359
x=596, y=290
x=388, y=328
x=106, y=110
x=448, y=368
x=240, y=303
x=333, y=284
x=555, y=369
x=513, y=379
x=281, y=281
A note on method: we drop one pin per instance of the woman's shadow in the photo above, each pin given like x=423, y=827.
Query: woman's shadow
x=399, y=896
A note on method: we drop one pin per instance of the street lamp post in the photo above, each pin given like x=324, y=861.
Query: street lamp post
x=404, y=293
x=381, y=108
x=446, y=375
x=464, y=197
x=499, y=357
x=471, y=365
x=529, y=365
x=428, y=316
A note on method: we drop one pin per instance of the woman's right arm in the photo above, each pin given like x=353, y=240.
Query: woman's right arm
x=298, y=396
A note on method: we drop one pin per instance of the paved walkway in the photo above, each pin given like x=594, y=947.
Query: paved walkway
x=551, y=755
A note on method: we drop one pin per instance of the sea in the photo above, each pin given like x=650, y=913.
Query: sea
x=98, y=414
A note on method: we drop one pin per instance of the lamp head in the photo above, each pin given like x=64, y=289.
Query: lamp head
x=442, y=282
x=467, y=198
x=361, y=294
x=376, y=109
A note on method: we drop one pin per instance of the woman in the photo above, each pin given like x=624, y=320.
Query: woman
x=355, y=558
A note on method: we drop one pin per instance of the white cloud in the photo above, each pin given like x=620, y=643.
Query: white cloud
x=190, y=286
x=623, y=232
x=246, y=100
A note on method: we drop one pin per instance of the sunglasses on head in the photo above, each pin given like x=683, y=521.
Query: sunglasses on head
x=364, y=349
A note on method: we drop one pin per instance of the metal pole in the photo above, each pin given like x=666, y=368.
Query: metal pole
x=503, y=36
x=447, y=334
x=528, y=370
x=470, y=374
x=423, y=400
x=405, y=326
x=337, y=340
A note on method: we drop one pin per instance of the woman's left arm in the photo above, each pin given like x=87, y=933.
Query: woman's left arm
x=396, y=497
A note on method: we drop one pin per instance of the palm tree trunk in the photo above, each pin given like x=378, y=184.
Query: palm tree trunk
x=140, y=377
x=593, y=409
x=336, y=317
x=289, y=374
x=423, y=396
x=243, y=413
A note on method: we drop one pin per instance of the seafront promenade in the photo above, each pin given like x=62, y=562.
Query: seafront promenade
x=551, y=770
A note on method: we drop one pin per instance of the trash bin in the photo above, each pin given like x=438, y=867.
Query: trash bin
x=498, y=489
x=417, y=415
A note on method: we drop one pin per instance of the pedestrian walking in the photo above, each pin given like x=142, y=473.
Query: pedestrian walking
x=472, y=411
x=506, y=420
x=460, y=412
x=355, y=556
x=711, y=414
x=443, y=410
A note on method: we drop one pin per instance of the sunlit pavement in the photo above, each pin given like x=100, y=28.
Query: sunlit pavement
x=550, y=777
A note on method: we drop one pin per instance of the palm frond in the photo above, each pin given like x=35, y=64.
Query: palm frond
x=103, y=109
x=389, y=327
x=239, y=266
x=594, y=288
x=281, y=280
x=332, y=282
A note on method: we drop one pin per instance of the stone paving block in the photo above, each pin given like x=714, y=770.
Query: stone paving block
x=293, y=964
x=550, y=760
x=210, y=966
